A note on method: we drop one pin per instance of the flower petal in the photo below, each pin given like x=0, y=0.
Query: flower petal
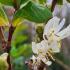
x=64, y=33
x=55, y=47
x=34, y=48
x=60, y=26
x=52, y=23
x=44, y=45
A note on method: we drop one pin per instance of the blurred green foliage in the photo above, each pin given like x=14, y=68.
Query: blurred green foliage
x=21, y=47
x=21, y=42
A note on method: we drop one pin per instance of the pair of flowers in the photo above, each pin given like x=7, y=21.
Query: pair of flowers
x=51, y=43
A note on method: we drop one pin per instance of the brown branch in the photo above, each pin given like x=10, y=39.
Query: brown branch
x=8, y=47
x=11, y=30
x=2, y=38
x=1, y=34
x=8, y=60
x=53, y=4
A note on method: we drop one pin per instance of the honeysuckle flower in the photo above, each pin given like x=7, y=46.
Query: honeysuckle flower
x=53, y=26
x=52, y=35
x=51, y=31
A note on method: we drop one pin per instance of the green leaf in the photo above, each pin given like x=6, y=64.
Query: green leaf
x=33, y=12
x=3, y=17
x=7, y=2
x=60, y=2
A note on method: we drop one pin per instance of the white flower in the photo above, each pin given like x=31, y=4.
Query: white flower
x=52, y=23
x=52, y=30
x=64, y=33
x=54, y=35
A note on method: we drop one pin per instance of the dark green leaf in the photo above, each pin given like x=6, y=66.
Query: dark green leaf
x=33, y=12
x=7, y=2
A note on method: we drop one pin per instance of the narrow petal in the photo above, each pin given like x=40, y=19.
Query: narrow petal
x=64, y=33
x=34, y=48
x=52, y=23
x=60, y=26
x=55, y=47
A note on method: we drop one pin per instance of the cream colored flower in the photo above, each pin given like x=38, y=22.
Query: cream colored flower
x=52, y=36
x=51, y=31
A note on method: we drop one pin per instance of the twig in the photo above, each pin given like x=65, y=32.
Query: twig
x=1, y=33
x=53, y=4
x=8, y=47
x=2, y=38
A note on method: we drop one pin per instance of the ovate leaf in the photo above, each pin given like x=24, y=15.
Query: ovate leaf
x=3, y=17
x=33, y=12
